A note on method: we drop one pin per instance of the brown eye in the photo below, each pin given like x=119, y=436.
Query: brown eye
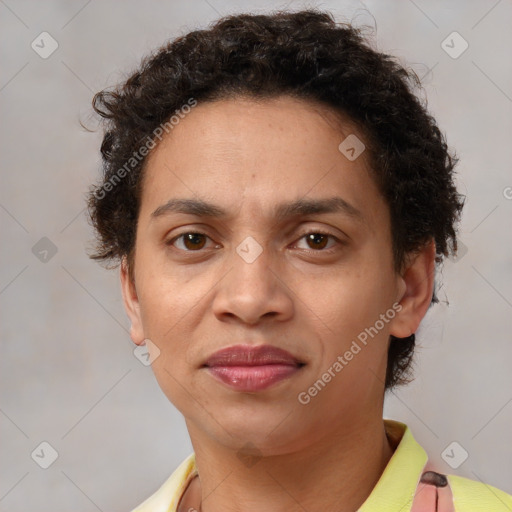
x=191, y=241
x=317, y=240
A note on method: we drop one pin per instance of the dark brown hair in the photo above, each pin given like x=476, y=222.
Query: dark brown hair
x=303, y=54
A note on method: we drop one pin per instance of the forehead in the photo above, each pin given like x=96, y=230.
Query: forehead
x=259, y=153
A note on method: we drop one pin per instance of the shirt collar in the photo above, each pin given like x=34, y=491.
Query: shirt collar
x=394, y=491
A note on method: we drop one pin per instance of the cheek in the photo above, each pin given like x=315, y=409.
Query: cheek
x=175, y=385
x=166, y=299
x=349, y=298
x=350, y=310
x=172, y=310
x=163, y=311
x=166, y=318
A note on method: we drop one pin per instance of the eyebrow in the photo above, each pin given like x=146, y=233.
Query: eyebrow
x=299, y=207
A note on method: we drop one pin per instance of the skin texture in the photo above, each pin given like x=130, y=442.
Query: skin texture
x=247, y=156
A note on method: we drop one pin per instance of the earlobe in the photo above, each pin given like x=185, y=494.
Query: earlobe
x=415, y=291
x=131, y=304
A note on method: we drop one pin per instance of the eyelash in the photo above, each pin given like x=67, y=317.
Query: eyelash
x=315, y=232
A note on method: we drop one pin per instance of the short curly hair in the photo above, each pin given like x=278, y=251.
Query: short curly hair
x=306, y=55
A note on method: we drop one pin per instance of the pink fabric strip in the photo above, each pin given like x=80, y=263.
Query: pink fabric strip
x=433, y=493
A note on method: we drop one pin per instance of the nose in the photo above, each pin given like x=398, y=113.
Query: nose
x=254, y=286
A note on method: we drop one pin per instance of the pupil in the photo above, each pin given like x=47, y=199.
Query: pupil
x=193, y=238
x=314, y=238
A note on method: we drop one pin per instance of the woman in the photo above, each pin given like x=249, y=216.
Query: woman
x=278, y=200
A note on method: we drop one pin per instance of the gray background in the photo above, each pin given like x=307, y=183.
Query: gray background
x=68, y=373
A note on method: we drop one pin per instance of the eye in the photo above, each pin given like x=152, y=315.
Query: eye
x=317, y=240
x=192, y=241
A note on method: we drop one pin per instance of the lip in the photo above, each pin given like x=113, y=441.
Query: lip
x=249, y=368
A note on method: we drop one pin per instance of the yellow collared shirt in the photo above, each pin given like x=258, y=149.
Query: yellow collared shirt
x=395, y=491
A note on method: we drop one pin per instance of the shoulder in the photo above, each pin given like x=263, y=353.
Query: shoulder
x=410, y=471
x=475, y=496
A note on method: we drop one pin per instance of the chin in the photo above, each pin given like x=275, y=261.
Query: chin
x=270, y=434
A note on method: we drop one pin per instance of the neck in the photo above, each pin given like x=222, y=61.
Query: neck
x=336, y=473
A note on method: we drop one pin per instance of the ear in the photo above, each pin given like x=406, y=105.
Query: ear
x=416, y=286
x=131, y=304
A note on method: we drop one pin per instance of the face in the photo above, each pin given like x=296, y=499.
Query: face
x=311, y=280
